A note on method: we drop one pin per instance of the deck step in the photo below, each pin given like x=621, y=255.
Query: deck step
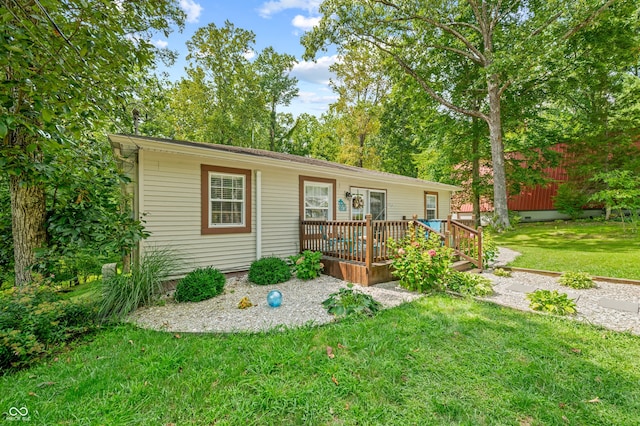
x=462, y=265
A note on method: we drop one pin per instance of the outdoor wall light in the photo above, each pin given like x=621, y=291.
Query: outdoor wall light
x=347, y=194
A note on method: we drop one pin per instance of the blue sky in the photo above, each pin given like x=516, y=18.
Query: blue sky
x=277, y=23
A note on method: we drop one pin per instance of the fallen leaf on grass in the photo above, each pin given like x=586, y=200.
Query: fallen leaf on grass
x=33, y=394
x=330, y=353
x=346, y=406
x=341, y=346
x=595, y=400
x=527, y=421
x=46, y=384
x=576, y=350
x=562, y=405
x=565, y=419
x=334, y=380
x=177, y=336
x=131, y=342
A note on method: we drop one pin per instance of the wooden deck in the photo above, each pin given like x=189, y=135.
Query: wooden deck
x=356, y=251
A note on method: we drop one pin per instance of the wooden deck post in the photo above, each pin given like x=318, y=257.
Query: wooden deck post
x=369, y=246
x=480, y=263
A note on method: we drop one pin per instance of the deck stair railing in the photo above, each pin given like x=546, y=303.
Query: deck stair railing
x=365, y=241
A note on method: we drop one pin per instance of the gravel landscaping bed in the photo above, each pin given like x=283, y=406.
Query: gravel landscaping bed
x=301, y=303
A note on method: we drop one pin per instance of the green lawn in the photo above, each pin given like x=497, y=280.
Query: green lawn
x=603, y=249
x=438, y=360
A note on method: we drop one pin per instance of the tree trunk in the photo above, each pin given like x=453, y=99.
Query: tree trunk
x=475, y=171
x=497, y=155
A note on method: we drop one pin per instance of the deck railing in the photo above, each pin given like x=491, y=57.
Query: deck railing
x=365, y=241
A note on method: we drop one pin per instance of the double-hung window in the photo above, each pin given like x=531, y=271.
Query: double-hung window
x=431, y=205
x=317, y=198
x=226, y=200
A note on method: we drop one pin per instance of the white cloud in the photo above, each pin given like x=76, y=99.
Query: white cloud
x=316, y=98
x=249, y=54
x=161, y=44
x=304, y=23
x=314, y=72
x=192, y=9
x=274, y=6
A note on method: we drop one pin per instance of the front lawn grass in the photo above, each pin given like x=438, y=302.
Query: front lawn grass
x=601, y=249
x=438, y=360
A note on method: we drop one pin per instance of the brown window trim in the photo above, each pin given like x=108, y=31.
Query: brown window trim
x=437, y=203
x=302, y=179
x=204, y=201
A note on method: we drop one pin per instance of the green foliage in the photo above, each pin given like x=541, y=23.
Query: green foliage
x=421, y=264
x=34, y=321
x=577, y=280
x=469, y=284
x=499, y=272
x=489, y=248
x=348, y=302
x=123, y=293
x=307, y=266
x=621, y=193
x=570, y=200
x=269, y=270
x=200, y=284
x=551, y=302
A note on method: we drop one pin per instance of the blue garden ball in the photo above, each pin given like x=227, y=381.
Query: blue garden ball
x=274, y=298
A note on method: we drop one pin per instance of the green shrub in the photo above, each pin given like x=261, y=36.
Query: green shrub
x=34, y=321
x=489, y=248
x=469, y=284
x=421, y=264
x=570, y=200
x=577, y=280
x=307, y=266
x=200, y=284
x=350, y=302
x=552, y=302
x=499, y=272
x=269, y=270
x=123, y=293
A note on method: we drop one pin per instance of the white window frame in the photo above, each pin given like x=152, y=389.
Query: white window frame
x=427, y=209
x=329, y=208
x=241, y=202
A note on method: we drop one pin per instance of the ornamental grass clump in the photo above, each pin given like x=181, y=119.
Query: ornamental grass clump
x=200, y=284
x=421, y=264
x=123, y=293
x=577, y=280
x=269, y=270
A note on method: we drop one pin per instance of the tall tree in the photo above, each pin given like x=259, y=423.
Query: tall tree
x=277, y=86
x=361, y=85
x=509, y=43
x=67, y=64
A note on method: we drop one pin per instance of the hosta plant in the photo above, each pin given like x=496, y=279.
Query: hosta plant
x=552, y=302
x=469, y=284
x=577, y=280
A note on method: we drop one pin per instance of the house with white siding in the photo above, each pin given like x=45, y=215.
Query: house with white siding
x=226, y=206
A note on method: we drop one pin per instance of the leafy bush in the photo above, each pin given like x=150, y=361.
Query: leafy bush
x=577, y=280
x=269, y=270
x=421, y=263
x=351, y=302
x=34, y=320
x=123, y=293
x=570, y=200
x=307, y=265
x=489, y=248
x=552, y=302
x=469, y=284
x=200, y=284
x=499, y=272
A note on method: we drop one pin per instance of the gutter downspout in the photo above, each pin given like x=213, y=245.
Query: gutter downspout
x=138, y=200
x=258, y=214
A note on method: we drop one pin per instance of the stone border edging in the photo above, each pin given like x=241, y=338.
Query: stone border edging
x=557, y=274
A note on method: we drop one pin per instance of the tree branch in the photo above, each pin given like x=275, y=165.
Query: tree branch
x=587, y=21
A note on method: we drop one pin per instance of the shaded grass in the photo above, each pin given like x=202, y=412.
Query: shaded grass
x=602, y=249
x=435, y=361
